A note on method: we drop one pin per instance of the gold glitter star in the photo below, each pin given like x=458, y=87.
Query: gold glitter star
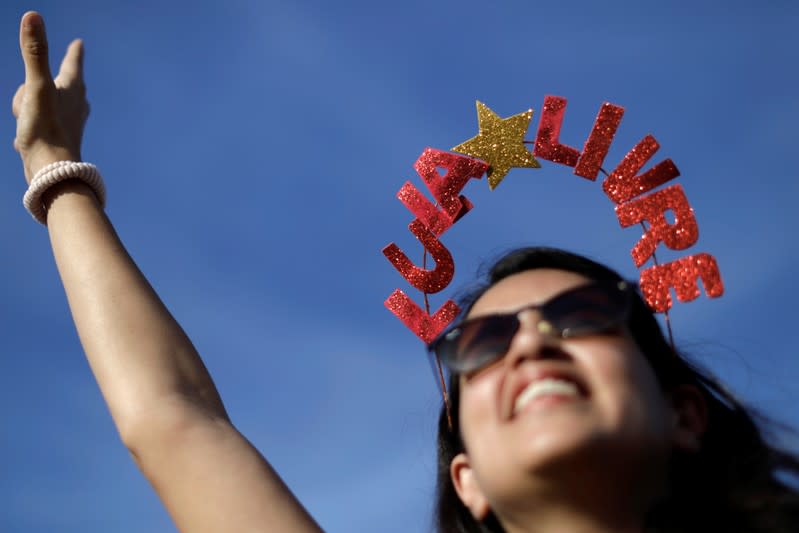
x=499, y=143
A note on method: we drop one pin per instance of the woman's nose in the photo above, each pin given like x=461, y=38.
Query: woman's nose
x=533, y=340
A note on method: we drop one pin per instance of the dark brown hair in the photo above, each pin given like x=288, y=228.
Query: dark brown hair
x=730, y=485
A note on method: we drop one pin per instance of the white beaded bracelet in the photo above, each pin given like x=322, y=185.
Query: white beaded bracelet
x=54, y=173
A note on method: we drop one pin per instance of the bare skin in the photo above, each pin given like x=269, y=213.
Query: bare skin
x=592, y=463
x=162, y=400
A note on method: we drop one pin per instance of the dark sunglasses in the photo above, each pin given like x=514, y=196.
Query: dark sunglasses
x=598, y=307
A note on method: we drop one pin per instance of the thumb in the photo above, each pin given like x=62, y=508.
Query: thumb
x=33, y=44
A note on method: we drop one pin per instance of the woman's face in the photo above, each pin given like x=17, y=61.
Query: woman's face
x=615, y=430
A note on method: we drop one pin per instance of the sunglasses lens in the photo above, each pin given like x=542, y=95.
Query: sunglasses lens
x=590, y=309
x=478, y=342
x=586, y=310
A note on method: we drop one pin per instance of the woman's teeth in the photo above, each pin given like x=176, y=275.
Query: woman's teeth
x=543, y=387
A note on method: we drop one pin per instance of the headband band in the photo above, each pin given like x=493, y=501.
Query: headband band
x=500, y=146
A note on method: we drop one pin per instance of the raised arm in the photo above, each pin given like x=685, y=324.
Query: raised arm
x=160, y=395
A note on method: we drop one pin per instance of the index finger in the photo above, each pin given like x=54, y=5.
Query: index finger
x=72, y=65
x=33, y=44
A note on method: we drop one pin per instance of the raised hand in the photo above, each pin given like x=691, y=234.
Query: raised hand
x=50, y=112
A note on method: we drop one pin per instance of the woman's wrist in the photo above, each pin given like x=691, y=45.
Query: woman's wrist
x=58, y=172
x=69, y=186
x=44, y=156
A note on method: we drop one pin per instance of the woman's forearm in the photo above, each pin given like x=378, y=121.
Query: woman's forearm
x=140, y=356
x=161, y=397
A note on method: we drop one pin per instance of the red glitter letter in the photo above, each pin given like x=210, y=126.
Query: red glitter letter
x=434, y=219
x=547, y=145
x=680, y=275
x=425, y=326
x=682, y=234
x=445, y=189
x=623, y=185
x=427, y=281
x=598, y=143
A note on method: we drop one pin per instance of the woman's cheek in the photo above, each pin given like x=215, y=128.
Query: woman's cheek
x=478, y=412
x=618, y=386
x=634, y=400
x=475, y=404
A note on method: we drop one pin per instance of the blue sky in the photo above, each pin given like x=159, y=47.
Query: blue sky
x=252, y=152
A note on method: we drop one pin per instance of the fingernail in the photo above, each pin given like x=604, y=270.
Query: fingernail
x=33, y=21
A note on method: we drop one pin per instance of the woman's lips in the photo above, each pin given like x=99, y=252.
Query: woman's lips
x=542, y=385
x=546, y=391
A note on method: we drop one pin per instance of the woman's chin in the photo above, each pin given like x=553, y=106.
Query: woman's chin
x=560, y=441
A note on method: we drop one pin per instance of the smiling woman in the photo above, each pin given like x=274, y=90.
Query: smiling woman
x=570, y=412
x=639, y=439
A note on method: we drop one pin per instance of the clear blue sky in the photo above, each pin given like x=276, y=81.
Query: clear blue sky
x=252, y=152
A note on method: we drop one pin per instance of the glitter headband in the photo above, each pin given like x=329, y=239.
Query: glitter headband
x=500, y=146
